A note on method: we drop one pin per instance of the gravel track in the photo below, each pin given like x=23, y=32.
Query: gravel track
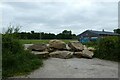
x=75, y=68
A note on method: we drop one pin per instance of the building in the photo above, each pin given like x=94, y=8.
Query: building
x=91, y=35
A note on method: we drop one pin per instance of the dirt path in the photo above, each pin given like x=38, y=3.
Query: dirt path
x=76, y=68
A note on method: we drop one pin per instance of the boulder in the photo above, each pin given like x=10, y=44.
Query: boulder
x=76, y=46
x=85, y=47
x=68, y=48
x=54, y=54
x=61, y=54
x=78, y=54
x=43, y=54
x=50, y=49
x=38, y=47
x=91, y=49
x=86, y=53
x=27, y=45
x=57, y=44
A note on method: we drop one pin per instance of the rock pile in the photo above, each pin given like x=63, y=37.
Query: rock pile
x=59, y=49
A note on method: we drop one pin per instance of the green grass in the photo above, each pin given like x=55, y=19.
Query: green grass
x=33, y=41
x=40, y=41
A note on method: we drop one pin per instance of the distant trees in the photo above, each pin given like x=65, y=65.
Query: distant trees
x=66, y=35
x=67, y=32
x=117, y=31
x=32, y=32
x=36, y=35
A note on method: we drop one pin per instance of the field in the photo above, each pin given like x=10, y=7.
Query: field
x=40, y=41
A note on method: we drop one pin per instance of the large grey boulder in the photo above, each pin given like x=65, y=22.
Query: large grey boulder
x=27, y=45
x=61, y=54
x=38, y=47
x=91, y=49
x=55, y=54
x=78, y=54
x=68, y=48
x=57, y=44
x=44, y=54
x=86, y=53
x=76, y=46
x=51, y=49
x=85, y=47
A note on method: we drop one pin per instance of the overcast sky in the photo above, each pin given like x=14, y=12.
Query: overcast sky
x=56, y=16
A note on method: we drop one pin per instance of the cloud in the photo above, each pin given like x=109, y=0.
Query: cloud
x=55, y=16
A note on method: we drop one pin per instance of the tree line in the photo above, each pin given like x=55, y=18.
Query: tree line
x=65, y=34
x=42, y=35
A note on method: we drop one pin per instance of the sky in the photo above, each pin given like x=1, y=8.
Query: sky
x=54, y=16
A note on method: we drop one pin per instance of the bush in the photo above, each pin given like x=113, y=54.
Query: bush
x=15, y=60
x=108, y=48
x=19, y=63
x=91, y=44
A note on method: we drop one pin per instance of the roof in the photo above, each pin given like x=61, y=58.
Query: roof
x=103, y=32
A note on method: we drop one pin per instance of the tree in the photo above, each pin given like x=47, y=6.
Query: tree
x=67, y=32
x=34, y=35
x=117, y=31
x=32, y=32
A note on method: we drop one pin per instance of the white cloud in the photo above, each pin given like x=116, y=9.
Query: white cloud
x=57, y=15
